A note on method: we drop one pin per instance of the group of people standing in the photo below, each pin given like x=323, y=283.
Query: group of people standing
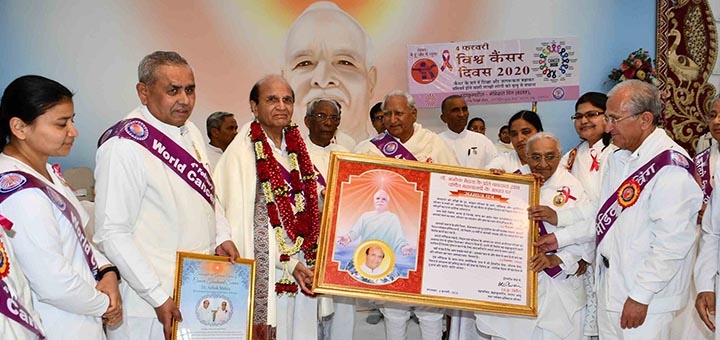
x=618, y=214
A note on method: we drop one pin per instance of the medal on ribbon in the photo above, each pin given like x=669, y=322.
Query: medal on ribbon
x=563, y=196
x=4, y=262
x=628, y=193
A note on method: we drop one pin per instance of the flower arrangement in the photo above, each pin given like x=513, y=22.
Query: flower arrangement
x=638, y=65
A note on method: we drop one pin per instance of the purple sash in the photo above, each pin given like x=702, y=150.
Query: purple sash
x=14, y=310
x=629, y=190
x=9, y=306
x=391, y=148
x=702, y=168
x=16, y=181
x=168, y=152
x=554, y=271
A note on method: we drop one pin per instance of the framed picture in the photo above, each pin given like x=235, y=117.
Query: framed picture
x=215, y=297
x=427, y=234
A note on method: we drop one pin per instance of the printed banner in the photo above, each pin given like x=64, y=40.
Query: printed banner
x=495, y=72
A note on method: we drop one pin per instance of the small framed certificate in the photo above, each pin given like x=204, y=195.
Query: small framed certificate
x=427, y=234
x=215, y=297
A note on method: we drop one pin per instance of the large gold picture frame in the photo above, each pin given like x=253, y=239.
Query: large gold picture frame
x=427, y=234
x=215, y=296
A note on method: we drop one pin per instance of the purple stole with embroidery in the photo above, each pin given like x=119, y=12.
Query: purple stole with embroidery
x=629, y=191
x=167, y=151
x=390, y=147
x=702, y=168
x=9, y=306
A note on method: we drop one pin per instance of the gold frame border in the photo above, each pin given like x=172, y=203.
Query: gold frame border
x=181, y=255
x=336, y=160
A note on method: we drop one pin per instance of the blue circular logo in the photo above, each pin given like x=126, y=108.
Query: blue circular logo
x=11, y=181
x=137, y=130
x=558, y=93
x=390, y=148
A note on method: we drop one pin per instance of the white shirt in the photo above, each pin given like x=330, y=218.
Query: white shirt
x=424, y=144
x=48, y=252
x=19, y=289
x=582, y=165
x=508, y=162
x=344, y=140
x=504, y=147
x=472, y=149
x=145, y=213
x=649, y=245
x=322, y=163
x=213, y=154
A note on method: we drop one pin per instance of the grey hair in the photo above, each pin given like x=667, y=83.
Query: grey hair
x=399, y=93
x=150, y=63
x=317, y=101
x=329, y=6
x=714, y=100
x=541, y=135
x=644, y=97
x=215, y=121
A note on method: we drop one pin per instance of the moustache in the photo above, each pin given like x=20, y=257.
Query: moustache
x=333, y=93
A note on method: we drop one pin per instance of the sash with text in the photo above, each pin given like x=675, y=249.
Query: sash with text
x=629, y=191
x=167, y=151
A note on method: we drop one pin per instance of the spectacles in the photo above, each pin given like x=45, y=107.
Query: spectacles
x=378, y=118
x=274, y=100
x=321, y=117
x=613, y=120
x=589, y=115
x=536, y=158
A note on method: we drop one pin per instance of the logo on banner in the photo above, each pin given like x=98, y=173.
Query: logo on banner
x=390, y=148
x=558, y=93
x=137, y=130
x=554, y=61
x=446, y=61
x=10, y=182
x=56, y=199
x=424, y=71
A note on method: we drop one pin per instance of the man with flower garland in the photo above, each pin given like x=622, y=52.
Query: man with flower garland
x=266, y=180
x=405, y=139
x=155, y=196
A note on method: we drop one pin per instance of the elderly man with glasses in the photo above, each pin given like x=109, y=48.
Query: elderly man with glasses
x=646, y=223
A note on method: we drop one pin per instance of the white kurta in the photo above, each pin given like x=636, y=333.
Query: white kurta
x=504, y=147
x=343, y=320
x=424, y=144
x=236, y=182
x=344, y=140
x=19, y=289
x=559, y=299
x=650, y=246
x=508, y=162
x=472, y=149
x=708, y=260
x=48, y=252
x=145, y=213
x=214, y=153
